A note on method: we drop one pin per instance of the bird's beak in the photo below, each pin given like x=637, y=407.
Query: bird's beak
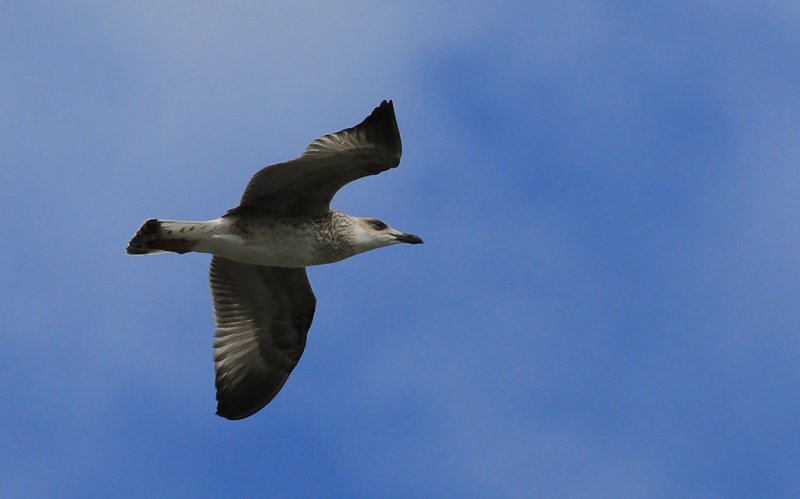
x=408, y=238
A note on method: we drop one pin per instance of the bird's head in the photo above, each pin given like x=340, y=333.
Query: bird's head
x=371, y=233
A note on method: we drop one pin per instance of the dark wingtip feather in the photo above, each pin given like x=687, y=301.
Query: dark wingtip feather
x=231, y=416
x=381, y=127
x=248, y=395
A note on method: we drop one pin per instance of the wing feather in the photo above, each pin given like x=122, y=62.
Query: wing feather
x=262, y=315
x=306, y=185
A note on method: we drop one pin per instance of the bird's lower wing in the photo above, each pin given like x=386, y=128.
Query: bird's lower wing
x=262, y=316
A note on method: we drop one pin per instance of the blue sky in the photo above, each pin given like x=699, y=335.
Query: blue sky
x=607, y=303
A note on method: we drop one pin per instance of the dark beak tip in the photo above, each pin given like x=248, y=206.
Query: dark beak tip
x=409, y=238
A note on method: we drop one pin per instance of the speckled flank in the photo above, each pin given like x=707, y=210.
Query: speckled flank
x=290, y=242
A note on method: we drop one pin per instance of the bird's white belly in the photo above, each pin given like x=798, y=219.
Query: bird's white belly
x=285, y=251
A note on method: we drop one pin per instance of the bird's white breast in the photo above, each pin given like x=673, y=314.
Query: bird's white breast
x=272, y=243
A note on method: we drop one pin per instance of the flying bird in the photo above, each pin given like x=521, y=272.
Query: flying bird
x=263, y=303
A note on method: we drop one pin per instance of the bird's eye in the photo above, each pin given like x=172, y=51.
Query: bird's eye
x=378, y=225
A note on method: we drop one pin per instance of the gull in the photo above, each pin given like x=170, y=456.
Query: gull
x=263, y=303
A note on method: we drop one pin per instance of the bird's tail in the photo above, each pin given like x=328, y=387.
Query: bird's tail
x=161, y=236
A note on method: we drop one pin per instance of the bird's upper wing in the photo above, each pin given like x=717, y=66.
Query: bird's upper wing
x=306, y=185
x=262, y=316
